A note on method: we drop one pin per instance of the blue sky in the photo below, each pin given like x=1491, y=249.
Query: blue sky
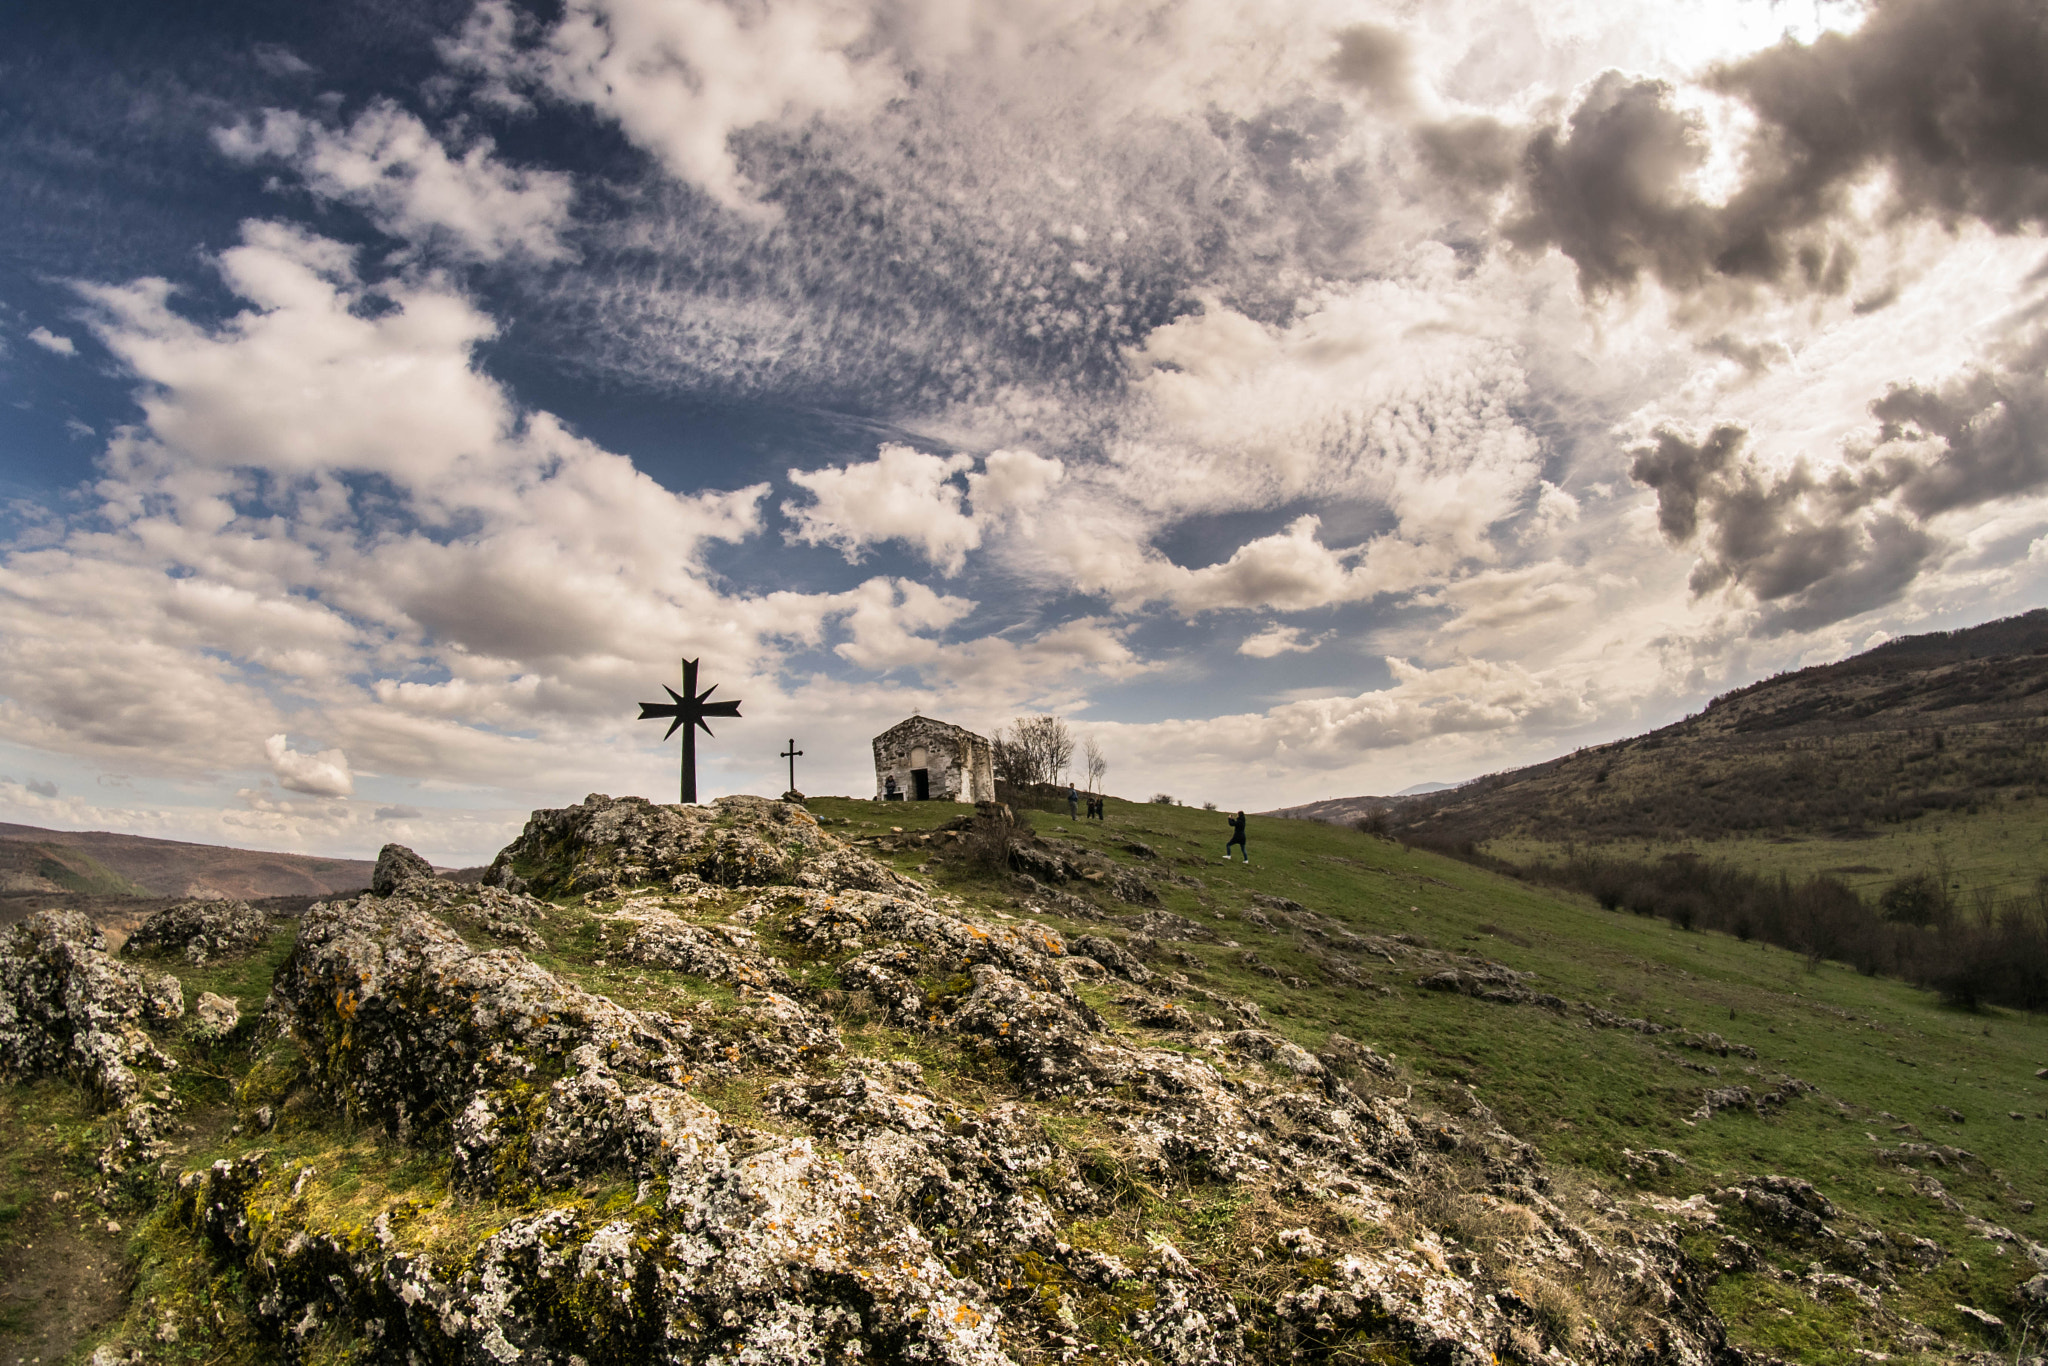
x=1302, y=399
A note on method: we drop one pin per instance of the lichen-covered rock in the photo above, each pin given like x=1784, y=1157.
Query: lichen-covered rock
x=502, y=914
x=397, y=866
x=68, y=1008
x=839, y=1208
x=759, y=1253
x=609, y=844
x=216, y=1017
x=202, y=931
x=1115, y=957
x=405, y=1022
x=1785, y=1203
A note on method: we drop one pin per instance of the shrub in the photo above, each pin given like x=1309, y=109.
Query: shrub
x=1915, y=899
x=1991, y=952
x=1163, y=799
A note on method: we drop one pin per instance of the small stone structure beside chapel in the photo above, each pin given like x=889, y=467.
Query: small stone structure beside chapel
x=924, y=759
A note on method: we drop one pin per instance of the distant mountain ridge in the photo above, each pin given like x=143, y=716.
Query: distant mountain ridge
x=1948, y=720
x=35, y=859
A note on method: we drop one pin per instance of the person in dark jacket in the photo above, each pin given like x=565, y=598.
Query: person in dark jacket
x=1237, y=838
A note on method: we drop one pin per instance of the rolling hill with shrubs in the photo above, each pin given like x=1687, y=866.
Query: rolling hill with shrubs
x=1889, y=811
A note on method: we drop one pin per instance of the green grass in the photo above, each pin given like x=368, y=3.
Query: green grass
x=2002, y=848
x=1580, y=1093
x=1583, y=1094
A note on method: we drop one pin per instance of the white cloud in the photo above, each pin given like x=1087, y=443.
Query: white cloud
x=325, y=774
x=1278, y=640
x=1012, y=482
x=902, y=494
x=681, y=76
x=50, y=341
x=909, y=495
x=389, y=165
x=303, y=381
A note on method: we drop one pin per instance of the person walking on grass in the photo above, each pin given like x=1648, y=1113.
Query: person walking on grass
x=1073, y=802
x=1237, y=838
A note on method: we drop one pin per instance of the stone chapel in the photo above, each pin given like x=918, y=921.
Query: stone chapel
x=924, y=759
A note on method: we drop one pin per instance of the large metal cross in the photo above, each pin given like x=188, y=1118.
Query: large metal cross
x=792, y=754
x=689, y=710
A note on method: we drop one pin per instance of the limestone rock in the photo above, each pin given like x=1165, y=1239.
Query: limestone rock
x=1785, y=1202
x=845, y=1210
x=397, y=866
x=203, y=931
x=68, y=1008
x=216, y=1016
x=608, y=844
x=1115, y=957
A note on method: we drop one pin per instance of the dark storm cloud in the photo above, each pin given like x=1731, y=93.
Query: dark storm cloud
x=1679, y=468
x=1376, y=61
x=1811, y=551
x=1888, y=558
x=1946, y=94
x=1609, y=188
x=1474, y=152
x=1992, y=427
x=1817, y=549
x=1943, y=95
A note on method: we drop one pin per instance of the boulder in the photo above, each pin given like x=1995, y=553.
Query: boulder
x=202, y=931
x=608, y=845
x=69, y=1008
x=397, y=866
x=216, y=1016
x=1113, y=956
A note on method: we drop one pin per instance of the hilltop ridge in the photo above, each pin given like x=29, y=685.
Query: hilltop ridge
x=1947, y=722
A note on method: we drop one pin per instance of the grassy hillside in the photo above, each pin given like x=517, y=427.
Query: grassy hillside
x=1924, y=754
x=1887, y=1059
x=153, y=867
x=32, y=866
x=1329, y=932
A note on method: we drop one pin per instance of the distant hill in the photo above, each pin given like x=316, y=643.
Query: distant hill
x=29, y=866
x=95, y=861
x=1952, y=721
x=1337, y=810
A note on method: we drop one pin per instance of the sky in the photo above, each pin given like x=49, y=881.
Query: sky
x=1301, y=399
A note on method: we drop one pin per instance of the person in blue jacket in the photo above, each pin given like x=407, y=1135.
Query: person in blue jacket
x=1073, y=801
x=1237, y=838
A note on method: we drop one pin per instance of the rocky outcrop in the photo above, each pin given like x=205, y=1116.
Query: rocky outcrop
x=398, y=866
x=69, y=1008
x=609, y=844
x=693, y=1158
x=1052, y=862
x=201, y=931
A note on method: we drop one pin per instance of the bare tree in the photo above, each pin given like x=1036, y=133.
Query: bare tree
x=1052, y=745
x=1010, y=760
x=1037, y=749
x=1096, y=762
